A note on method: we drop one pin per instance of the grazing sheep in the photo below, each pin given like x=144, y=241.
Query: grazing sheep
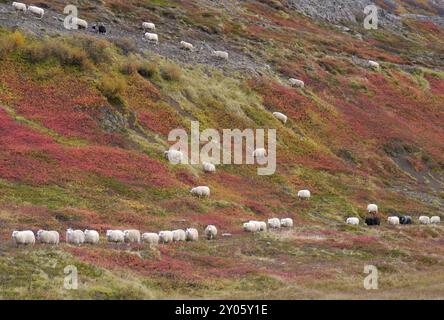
x=192, y=234
x=297, y=83
x=281, y=117
x=251, y=226
x=179, y=235
x=220, y=54
x=208, y=167
x=92, y=236
x=374, y=65
x=80, y=23
x=405, y=220
x=259, y=153
x=166, y=236
x=424, y=220
x=262, y=226
x=48, y=237
x=174, y=156
x=372, y=208
x=287, y=223
x=353, y=221
x=150, y=238
x=435, y=220
x=304, y=194
x=116, y=236
x=186, y=45
x=148, y=26
x=201, y=191
x=132, y=236
x=76, y=237
x=19, y=6
x=274, y=223
x=211, y=232
x=23, y=238
x=393, y=220
x=102, y=29
x=37, y=11
x=151, y=37
x=372, y=221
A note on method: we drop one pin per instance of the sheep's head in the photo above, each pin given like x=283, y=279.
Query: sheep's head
x=39, y=233
x=14, y=234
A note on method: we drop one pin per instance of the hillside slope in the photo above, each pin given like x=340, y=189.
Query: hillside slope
x=84, y=122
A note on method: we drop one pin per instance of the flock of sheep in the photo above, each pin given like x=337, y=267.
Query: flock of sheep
x=393, y=220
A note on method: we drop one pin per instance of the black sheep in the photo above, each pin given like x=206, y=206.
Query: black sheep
x=102, y=29
x=405, y=220
x=372, y=221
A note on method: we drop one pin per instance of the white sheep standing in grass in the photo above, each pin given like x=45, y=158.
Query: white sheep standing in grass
x=174, y=156
x=148, y=26
x=211, y=232
x=297, y=83
x=435, y=220
x=393, y=221
x=192, y=234
x=274, y=223
x=304, y=194
x=23, y=238
x=374, y=65
x=48, y=237
x=372, y=208
x=37, y=11
x=132, y=236
x=220, y=54
x=251, y=227
x=202, y=191
x=19, y=6
x=150, y=238
x=424, y=220
x=186, y=45
x=281, y=117
x=166, y=236
x=208, y=167
x=92, y=236
x=287, y=223
x=80, y=23
x=179, y=235
x=76, y=237
x=353, y=221
x=115, y=236
x=259, y=153
x=151, y=37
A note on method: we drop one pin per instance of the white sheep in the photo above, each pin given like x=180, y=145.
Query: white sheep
x=174, y=156
x=262, y=226
x=435, y=220
x=179, y=235
x=132, y=236
x=37, y=11
x=281, y=117
x=19, y=6
x=211, y=232
x=166, y=236
x=201, y=191
x=297, y=83
x=259, y=153
x=76, y=237
x=151, y=37
x=220, y=54
x=80, y=23
x=150, y=238
x=91, y=236
x=116, y=236
x=304, y=194
x=186, y=45
x=287, y=223
x=251, y=226
x=353, y=221
x=148, y=26
x=372, y=208
x=192, y=234
x=274, y=223
x=23, y=237
x=424, y=220
x=374, y=65
x=208, y=167
x=48, y=237
x=393, y=220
